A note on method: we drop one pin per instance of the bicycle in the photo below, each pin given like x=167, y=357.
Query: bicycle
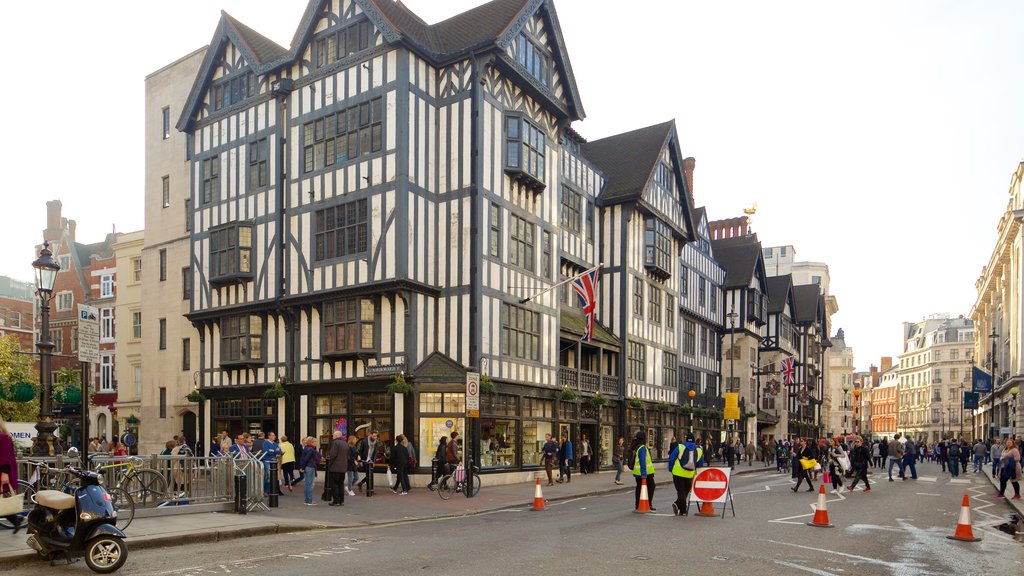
x=454, y=482
x=59, y=479
x=26, y=491
x=145, y=485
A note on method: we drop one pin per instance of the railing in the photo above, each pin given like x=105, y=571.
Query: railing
x=587, y=381
x=609, y=385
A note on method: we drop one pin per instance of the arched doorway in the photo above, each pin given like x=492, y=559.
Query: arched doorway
x=101, y=426
x=188, y=427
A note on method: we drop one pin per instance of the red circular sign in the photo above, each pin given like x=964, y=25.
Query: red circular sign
x=710, y=484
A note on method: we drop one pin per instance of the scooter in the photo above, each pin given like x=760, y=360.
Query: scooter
x=79, y=524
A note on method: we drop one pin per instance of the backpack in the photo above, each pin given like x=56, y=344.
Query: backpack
x=690, y=463
x=954, y=450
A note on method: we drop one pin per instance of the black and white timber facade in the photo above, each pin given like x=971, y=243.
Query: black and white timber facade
x=388, y=197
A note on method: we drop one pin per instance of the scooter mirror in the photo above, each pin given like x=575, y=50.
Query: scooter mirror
x=73, y=453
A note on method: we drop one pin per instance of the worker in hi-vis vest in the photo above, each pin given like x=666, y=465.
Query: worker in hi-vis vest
x=643, y=467
x=683, y=463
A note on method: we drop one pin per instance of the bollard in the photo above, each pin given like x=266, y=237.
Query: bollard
x=275, y=485
x=241, y=494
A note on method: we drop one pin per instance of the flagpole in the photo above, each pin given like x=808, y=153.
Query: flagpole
x=567, y=280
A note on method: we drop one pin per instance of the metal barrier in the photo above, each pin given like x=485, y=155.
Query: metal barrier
x=252, y=470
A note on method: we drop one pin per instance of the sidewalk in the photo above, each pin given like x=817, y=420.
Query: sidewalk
x=383, y=508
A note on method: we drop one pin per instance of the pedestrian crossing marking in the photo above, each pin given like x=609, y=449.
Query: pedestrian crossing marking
x=959, y=481
x=927, y=478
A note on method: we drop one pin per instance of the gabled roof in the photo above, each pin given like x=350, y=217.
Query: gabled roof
x=628, y=160
x=263, y=49
x=808, y=302
x=438, y=367
x=740, y=257
x=779, y=291
x=576, y=324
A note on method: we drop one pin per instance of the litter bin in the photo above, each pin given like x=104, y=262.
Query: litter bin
x=435, y=471
x=241, y=493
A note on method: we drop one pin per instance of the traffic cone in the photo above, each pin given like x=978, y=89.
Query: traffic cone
x=645, y=503
x=538, y=498
x=820, y=511
x=825, y=478
x=963, y=531
x=707, y=509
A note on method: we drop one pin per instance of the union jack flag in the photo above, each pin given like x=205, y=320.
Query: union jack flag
x=586, y=288
x=789, y=370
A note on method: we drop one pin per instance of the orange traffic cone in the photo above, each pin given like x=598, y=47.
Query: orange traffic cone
x=707, y=509
x=538, y=498
x=963, y=531
x=645, y=503
x=820, y=511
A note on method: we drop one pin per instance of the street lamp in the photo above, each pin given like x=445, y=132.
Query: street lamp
x=993, y=429
x=691, y=394
x=1013, y=423
x=846, y=404
x=46, y=269
x=856, y=402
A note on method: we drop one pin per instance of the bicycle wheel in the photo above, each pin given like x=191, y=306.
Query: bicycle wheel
x=476, y=484
x=446, y=487
x=147, y=487
x=124, y=505
x=25, y=490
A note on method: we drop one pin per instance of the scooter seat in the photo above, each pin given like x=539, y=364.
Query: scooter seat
x=55, y=499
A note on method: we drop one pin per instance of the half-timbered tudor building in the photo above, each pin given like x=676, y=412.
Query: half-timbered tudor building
x=780, y=342
x=746, y=312
x=390, y=200
x=701, y=310
x=811, y=323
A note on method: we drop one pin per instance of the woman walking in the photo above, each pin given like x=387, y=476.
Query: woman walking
x=617, y=456
x=9, y=472
x=803, y=464
x=400, y=464
x=860, y=457
x=287, y=461
x=1010, y=469
x=835, y=468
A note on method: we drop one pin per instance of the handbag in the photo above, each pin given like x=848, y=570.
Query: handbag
x=10, y=504
x=807, y=463
x=391, y=478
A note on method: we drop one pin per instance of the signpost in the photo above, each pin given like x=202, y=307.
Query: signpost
x=472, y=395
x=88, y=352
x=712, y=485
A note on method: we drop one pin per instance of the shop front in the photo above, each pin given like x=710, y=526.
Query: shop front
x=240, y=415
x=352, y=414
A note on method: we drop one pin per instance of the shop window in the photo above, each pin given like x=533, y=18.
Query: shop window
x=497, y=443
x=532, y=444
x=372, y=402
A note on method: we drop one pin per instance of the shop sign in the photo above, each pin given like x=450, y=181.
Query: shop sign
x=380, y=369
x=732, y=406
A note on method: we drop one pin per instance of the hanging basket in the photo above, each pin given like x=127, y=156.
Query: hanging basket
x=19, y=392
x=567, y=395
x=195, y=396
x=486, y=386
x=662, y=406
x=400, y=386
x=69, y=395
x=598, y=400
x=635, y=403
x=275, y=391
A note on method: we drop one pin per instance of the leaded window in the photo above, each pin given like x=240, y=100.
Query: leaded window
x=521, y=243
x=571, y=209
x=638, y=297
x=241, y=340
x=342, y=230
x=653, y=304
x=525, y=146
x=534, y=59
x=231, y=253
x=670, y=311
x=671, y=370
x=344, y=135
x=233, y=89
x=636, y=361
x=211, y=179
x=349, y=326
x=258, y=164
x=520, y=332
x=657, y=246
x=494, y=241
x=689, y=337
x=341, y=43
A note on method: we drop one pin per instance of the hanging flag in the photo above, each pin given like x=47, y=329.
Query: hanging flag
x=585, y=287
x=789, y=371
x=981, y=381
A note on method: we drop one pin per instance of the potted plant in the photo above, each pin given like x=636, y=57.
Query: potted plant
x=567, y=394
x=486, y=386
x=399, y=386
x=195, y=396
x=598, y=400
x=66, y=388
x=17, y=390
x=662, y=406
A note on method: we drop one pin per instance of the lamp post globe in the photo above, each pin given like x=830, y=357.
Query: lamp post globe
x=46, y=269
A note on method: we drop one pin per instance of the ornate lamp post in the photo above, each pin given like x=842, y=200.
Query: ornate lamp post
x=1013, y=421
x=993, y=427
x=846, y=405
x=46, y=269
x=856, y=412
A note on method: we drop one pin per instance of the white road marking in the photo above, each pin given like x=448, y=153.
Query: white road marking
x=927, y=478
x=926, y=494
x=960, y=481
x=805, y=568
x=765, y=489
x=896, y=567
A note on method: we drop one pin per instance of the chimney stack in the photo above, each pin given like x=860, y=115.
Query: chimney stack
x=53, y=208
x=71, y=229
x=688, y=165
x=886, y=363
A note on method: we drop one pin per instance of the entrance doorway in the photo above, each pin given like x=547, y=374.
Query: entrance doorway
x=188, y=428
x=590, y=431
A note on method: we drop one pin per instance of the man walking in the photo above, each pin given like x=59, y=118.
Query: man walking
x=337, y=469
x=954, y=457
x=860, y=458
x=683, y=463
x=565, y=458
x=369, y=449
x=909, y=458
x=895, y=455
x=550, y=451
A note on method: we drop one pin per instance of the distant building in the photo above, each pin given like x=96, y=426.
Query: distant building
x=839, y=416
x=17, y=307
x=885, y=402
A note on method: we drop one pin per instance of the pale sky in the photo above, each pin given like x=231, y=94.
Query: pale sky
x=878, y=137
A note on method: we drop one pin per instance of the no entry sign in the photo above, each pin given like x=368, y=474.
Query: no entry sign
x=710, y=485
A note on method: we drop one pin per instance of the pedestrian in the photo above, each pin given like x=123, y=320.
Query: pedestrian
x=440, y=456
x=996, y=453
x=238, y=449
x=353, y=466
x=643, y=468
x=683, y=463
x=860, y=459
x=954, y=457
x=750, y=451
x=876, y=454
x=883, y=452
x=895, y=455
x=781, y=456
x=910, y=453
x=399, y=463
x=617, y=460
x=270, y=451
x=584, y=454
x=287, y=461
x=729, y=454
x=9, y=472
x=803, y=464
x=337, y=468
x=1010, y=470
x=215, y=449
x=369, y=450
x=94, y=445
x=257, y=443
x=308, y=462
x=772, y=453
x=550, y=451
x=965, y=454
x=104, y=445
x=451, y=453
x=565, y=458
x=225, y=441
x=835, y=467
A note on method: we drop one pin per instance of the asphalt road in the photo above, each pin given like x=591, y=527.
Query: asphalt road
x=899, y=529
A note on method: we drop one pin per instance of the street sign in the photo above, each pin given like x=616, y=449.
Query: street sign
x=710, y=485
x=472, y=395
x=732, y=406
x=88, y=334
